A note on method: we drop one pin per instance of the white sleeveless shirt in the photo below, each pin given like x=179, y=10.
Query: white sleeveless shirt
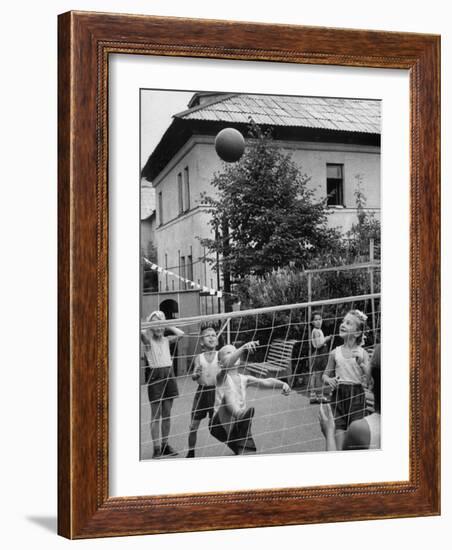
x=158, y=352
x=347, y=370
x=236, y=384
x=209, y=370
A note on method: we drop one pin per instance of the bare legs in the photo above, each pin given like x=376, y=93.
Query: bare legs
x=340, y=438
x=160, y=411
x=192, y=436
x=166, y=420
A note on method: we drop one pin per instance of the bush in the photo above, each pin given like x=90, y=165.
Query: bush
x=287, y=286
x=366, y=228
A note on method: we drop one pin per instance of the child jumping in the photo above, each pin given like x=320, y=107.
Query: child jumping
x=231, y=423
x=319, y=342
x=347, y=366
x=161, y=382
x=205, y=373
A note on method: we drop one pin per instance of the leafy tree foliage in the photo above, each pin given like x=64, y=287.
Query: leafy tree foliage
x=366, y=228
x=264, y=215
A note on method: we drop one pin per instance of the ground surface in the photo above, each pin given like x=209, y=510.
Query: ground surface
x=282, y=424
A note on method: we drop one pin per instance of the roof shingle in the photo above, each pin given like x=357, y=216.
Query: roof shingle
x=350, y=115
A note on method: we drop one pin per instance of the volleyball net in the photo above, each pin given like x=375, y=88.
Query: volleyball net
x=284, y=351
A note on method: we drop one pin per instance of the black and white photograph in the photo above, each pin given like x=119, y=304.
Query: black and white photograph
x=260, y=274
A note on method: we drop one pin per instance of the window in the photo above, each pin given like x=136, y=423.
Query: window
x=186, y=189
x=166, y=274
x=182, y=271
x=335, y=184
x=190, y=268
x=180, y=193
x=160, y=208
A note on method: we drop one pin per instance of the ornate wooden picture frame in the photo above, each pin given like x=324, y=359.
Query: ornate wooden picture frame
x=86, y=40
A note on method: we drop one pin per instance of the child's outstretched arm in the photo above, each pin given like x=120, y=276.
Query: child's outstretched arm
x=234, y=357
x=269, y=383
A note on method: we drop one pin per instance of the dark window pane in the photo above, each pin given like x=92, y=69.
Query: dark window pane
x=335, y=184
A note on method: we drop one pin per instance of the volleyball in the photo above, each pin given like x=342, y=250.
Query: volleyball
x=229, y=144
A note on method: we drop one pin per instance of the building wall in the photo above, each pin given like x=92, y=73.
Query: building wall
x=147, y=233
x=176, y=237
x=345, y=217
x=198, y=155
x=179, y=238
x=361, y=168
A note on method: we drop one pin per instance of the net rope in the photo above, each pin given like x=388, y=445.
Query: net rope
x=281, y=423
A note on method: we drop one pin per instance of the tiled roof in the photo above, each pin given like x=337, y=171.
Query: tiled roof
x=349, y=115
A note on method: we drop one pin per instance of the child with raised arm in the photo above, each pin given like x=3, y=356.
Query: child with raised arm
x=320, y=344
x=347, y=368
x=232, y=420
x=161, y=383
x=205, y=373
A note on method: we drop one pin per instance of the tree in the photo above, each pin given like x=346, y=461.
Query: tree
x=367, y=227
x=264, y=216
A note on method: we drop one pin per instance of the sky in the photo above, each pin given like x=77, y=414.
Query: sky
x=157, y=108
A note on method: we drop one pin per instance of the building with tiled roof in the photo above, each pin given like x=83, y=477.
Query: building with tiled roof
x=290, y=117
x=335, y=141
x=349, y=115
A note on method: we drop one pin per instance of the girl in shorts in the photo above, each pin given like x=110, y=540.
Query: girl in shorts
x=161, y=382
x=347, y=369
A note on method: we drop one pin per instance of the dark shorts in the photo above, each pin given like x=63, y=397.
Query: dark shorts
x=161, y=384
x=348, y=403
x=203, y=402
x=320, y=359
x=240, y=439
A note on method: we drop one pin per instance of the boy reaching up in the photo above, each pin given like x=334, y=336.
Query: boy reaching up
x=231, y=423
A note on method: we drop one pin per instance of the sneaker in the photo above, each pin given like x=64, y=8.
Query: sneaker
x=323, y=399
x=157, y=452
x=167, y=450
x=313, y=399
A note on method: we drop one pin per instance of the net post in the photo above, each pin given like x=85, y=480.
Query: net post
x=371, y=276
x=308, y=320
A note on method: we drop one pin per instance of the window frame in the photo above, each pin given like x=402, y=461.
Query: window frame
x=341, y=201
